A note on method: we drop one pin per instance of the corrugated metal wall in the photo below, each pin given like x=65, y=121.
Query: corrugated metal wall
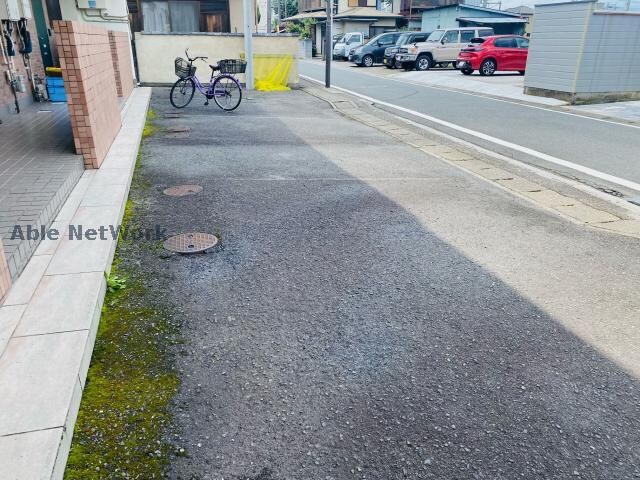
x=611, y=57
x=576, y=49
x=556, y=45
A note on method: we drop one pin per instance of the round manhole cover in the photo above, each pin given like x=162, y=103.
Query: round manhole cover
x=182, y=190
x=190, y=242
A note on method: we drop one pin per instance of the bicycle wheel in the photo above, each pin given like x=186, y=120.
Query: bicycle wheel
x=182, y=92
x=227, y=92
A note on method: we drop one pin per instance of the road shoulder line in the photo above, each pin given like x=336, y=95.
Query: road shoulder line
x=624, y=220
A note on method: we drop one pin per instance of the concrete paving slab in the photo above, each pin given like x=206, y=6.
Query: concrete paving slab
x=436, y=149
x=37, y=391
x=82, y=255
x=62, y=303
x=494, y=173
x=549, y=198
x=49, y=245
x=628, y=227
x=9, y=318
x=456, y=156
x=520, y=184
x=16, y=454
x=23, y=289
x=111, y=176
x=585, y=213
x=104, y=196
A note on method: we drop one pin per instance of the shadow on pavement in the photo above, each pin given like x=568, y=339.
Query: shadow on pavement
x=333, y=336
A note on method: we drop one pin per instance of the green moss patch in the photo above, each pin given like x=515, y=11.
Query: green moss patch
x=150, y=126
x=124, y=412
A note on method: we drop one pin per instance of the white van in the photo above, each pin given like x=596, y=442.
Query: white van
x=348, y=42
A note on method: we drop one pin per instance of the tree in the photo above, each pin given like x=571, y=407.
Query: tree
x=288, y=8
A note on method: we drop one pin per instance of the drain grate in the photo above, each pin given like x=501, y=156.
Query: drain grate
x=182, y=190
x=190, y=242
x=179, y=129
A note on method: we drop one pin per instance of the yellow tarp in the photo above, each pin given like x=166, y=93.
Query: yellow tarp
x=271, y=71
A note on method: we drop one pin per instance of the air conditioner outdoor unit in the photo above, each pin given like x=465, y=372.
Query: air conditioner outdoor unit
x=25, y=9
x=10, y=10
x=85, y=4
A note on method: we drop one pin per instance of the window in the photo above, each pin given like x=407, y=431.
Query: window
x=419, y=38
x=522, y=42
x=450, y=37
x=466, y=36
x=354, y=39
x=167, y=17
x=485, y=32
x=185, y=16
x=508, y=42
x=435, y=36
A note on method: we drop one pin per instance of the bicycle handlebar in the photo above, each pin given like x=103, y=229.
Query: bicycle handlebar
x=186, y=52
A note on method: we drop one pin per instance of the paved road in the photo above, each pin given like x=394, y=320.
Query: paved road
x=606, y=147
x=377, y=314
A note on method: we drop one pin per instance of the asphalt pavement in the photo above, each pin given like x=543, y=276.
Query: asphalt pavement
x=607, y=147
x=374, y=313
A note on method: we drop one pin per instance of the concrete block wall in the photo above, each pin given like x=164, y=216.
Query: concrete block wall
x=5, y=275
x=87, y=68
x=157, y=52
x=121, y=57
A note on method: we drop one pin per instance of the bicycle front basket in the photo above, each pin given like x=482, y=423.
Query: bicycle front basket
x=232, y=66
x=182, y=68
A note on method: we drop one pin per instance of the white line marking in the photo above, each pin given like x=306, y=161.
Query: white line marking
x=521, y=103
x=526, y=150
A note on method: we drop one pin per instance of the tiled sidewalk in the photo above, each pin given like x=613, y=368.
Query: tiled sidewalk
x=38, y=169
x=49, y=319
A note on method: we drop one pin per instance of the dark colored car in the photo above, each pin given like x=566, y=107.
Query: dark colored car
x=497, y=53
x=406, y=38
x=373, y=51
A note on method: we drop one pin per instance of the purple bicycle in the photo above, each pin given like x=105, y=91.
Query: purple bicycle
x=223, y=87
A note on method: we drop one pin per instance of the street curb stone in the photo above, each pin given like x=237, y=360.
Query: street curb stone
x=567, y=207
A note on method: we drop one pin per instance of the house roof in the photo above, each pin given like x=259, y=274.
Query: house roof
x=473, y=7
x=366, y=12
x=491, y=20
x=319, y=15
x=521, y=10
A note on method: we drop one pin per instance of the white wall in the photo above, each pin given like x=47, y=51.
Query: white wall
x=157, y=52
x=114, y=17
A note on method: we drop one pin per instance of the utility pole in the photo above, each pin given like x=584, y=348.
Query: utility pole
x=249, y=16
x=328, y=45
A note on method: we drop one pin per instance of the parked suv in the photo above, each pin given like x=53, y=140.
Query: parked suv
x=441, y=48
x=373, y=51
x=347, y=42
x=406, y=38
x=502, y=52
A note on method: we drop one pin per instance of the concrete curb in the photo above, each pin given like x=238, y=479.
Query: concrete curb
x=568, y=207
x=49, y=319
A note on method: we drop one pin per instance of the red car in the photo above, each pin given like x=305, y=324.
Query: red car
x=492, y=54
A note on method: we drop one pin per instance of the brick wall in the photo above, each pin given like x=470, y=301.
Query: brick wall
x=5, y=276
x=87, y=69
x=121, y=57
x=6, y=94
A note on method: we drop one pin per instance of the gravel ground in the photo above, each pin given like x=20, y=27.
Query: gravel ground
x=334, y=334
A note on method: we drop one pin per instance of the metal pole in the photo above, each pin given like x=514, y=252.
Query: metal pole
x=279, y=17
x=248, y=42
x=328, y=45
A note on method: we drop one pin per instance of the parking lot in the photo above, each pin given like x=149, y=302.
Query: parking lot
x=502, y=84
